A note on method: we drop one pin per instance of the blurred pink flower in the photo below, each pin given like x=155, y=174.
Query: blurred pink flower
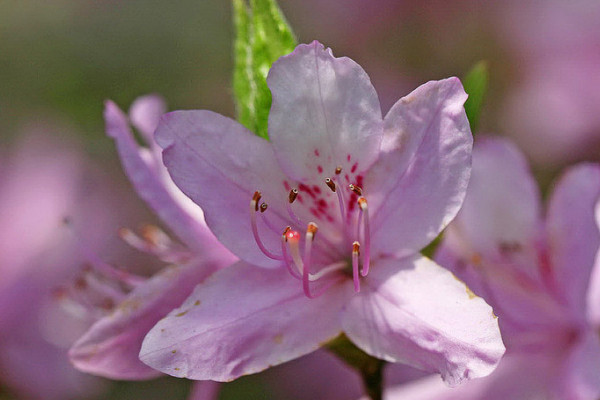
x=47, y=192
x=535, y=273
x=553, y=113
x=330, y=152
x=110, y=347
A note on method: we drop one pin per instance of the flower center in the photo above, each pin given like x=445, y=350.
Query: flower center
x=355, y=230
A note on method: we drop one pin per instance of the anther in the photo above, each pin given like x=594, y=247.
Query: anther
x=355, y=189
x=255, y=199
x=338, y=170
x=292, y=196
x=355, y=255
x=330, y=184
x=312, y=229
x=263, y=207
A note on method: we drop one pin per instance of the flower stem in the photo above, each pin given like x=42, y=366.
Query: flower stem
x=369, y=368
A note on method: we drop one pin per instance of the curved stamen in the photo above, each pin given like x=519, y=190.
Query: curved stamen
x=332, y=185
x=291, y=198
x=362, y=203
x=286, y=256
x=355, y=255
x=253, y=210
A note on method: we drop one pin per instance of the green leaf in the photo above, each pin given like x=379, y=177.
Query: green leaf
x=476, y=83
x=262, y=36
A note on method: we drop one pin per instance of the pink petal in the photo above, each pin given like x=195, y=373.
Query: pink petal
x=111, y=346
x=325, y=113
x=502, y=206
x=529, y=316
x=220, y=164
x=573, y=236
x=240, y=321
x=415, y=312
x=175, y=210
x=205, y=390
x=421, y=179
x=145, y=113
x=593, y=294
x=518, y=377
x=581, y=371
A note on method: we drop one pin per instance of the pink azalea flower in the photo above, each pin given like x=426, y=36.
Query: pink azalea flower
x=541, y=277
x=110, y=347
x=349, y=199
x=42, y=184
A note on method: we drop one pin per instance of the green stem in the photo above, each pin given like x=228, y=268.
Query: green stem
x=369, y=368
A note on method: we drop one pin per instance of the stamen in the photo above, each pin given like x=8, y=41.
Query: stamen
x=338, y=170
x=286, y=256
x=291, y=198
x=362, y=203
x=330, y=184
x=355, y=189
x=253, y=210
x=355, y=255
x=311, y=230
x=263, y=207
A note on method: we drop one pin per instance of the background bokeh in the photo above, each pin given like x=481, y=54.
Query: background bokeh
x=60, y=60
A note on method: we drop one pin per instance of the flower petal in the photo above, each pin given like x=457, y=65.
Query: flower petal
x=220, y=164
x=419, y=183
x=153, y=185
x=502, y=206
x=111, y=346
x=517, y=377
x=415, y=312
x=145, y=112
x=573, y=235
x=240, y=321
x=325, y=113
x=581, y=371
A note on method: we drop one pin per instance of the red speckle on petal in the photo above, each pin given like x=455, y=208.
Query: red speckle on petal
x=316, y=152
x=348, y=157
x=316, y=189
x=329, y=218
x=314, y=212
x=320, y=169
x=353, y=169
x=286, y=185
x=322, y=203
x=306, y=189
x=347, y=178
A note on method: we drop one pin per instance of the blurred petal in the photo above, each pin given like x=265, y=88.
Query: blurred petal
x=502, y=206
x=415, y=312
x=573, y=235
x=240, y=321
x=111, y=346
x=176, y=211
x=422, y=177
x=581, y=371
x=205, y=390
x=518, y=377
x=325, y=113
x=145, y=113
